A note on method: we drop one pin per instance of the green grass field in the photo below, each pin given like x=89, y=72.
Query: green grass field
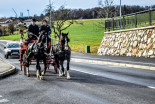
x=15, y=37
x=80, y=35
x=86, y=34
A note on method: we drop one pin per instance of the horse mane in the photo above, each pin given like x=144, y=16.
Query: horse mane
x=39, y=39
x=60, y=38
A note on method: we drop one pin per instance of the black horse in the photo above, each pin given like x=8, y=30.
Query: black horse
x=38, y=51
x=62, y=52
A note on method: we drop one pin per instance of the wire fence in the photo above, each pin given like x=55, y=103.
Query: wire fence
x=134, y=20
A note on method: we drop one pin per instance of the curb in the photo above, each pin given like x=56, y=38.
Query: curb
x=114, y=64
x=8, y=72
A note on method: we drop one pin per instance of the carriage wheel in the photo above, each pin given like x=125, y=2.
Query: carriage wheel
x=21, y=65
x=48, y=66
x=24, y=63
x=55, y=67
x=48, y=61
x=27, y=72
x=20, y=59
x=24, y=70
x=21, y=62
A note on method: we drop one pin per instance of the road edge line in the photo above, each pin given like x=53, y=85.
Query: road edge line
x=114, y=64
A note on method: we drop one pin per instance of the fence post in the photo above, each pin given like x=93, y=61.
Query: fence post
x=150, y=19
x=123, y=22
x=113, y=24
x=109, y=26
x=105, y=25
x=135, y=20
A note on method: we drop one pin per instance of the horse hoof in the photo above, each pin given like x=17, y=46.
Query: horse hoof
x=60, y=75
x=63, y=74
x=68, y=78
x=43, y=73
x=41, y=77
x=28, y=75
x=37, y=75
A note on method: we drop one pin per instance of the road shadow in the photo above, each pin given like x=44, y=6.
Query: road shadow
x=77, y=77
x=97, y=80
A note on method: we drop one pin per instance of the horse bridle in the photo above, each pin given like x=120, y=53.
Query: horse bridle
x=65, y=42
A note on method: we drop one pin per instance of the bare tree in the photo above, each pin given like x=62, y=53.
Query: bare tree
x=106, y=8
x=62, y=19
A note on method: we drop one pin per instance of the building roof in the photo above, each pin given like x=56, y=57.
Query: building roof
x=16, y=21
x=5, y=20
x=28, y=20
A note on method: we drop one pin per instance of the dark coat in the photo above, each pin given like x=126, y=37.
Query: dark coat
x=46, y=29
x=34, y=29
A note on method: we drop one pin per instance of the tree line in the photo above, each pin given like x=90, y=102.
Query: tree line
x=7, y=30
x=99, y=12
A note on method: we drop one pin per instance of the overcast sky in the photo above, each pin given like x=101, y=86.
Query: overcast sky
x=38, y=6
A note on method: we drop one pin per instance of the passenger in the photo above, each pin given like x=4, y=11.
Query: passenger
x=47, y=30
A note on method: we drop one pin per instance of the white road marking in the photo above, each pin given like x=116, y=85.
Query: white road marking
x=151, y=87
x=95, y=59
x=4, y=100
x=86, y=72
x=115, y=66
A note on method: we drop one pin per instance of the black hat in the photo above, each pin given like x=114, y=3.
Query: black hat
x=34, y=20
x=45, y=21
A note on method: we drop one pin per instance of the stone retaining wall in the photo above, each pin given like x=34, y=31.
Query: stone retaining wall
x=139, y=42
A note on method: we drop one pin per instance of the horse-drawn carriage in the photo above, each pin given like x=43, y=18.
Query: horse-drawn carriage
x=25, y=63
x=42, y=51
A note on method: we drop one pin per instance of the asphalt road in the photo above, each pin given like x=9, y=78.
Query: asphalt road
x=89, y=84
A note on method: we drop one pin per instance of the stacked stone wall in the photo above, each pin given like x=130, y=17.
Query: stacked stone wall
x=138, y=42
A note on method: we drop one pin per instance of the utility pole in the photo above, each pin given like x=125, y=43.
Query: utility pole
x=21, y=14
x=120, y=15
x=50, y=17
x=50, y=13
x=28, y=13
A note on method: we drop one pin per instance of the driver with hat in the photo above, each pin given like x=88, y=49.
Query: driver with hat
x=33, y=31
